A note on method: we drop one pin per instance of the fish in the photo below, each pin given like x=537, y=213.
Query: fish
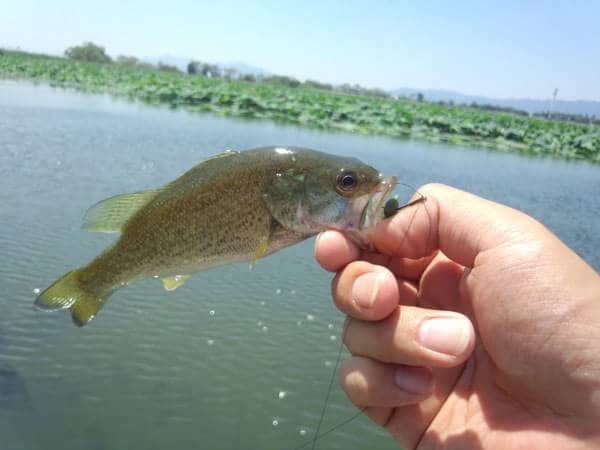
x=236, y=206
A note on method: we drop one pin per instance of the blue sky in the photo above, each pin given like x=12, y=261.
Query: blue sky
x=495, y=48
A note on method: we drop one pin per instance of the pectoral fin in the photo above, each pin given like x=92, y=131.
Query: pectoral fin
x=172, y=283
x=261, y=250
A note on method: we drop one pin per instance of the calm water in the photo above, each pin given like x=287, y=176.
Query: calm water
x=233, y=359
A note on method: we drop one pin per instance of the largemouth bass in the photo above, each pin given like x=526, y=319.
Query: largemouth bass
x=233, y=207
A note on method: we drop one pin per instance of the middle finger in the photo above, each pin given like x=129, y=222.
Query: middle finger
x=413, y=336
x=370, y=292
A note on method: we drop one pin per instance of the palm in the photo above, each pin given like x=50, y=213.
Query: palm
x=477, y=414
x=490, y=401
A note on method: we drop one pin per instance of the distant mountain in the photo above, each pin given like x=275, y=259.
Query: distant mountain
x=177, y=61
x=245, y=69
x=582, y=107
x=181, y=63
x=585, y=107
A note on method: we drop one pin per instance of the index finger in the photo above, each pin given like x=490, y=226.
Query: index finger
x=334, y=251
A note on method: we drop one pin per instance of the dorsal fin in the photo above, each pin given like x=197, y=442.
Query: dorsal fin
x=226, y=153
x=109, y=215
x=203, y=164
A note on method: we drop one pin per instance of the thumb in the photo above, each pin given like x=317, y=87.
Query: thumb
x=460, y=224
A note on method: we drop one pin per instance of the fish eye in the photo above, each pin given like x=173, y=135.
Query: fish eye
x=347, y=181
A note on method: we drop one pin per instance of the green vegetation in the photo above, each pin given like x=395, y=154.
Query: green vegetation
x=579, y=118
x=310, y=104
x=125, y=60
x=88, y=51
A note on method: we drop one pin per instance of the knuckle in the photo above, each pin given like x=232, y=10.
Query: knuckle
x=432, y=188
x=391, y=337
x=344, y=280
x=396, y=337
x=347, y=335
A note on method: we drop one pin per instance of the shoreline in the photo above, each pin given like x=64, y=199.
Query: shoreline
x=314, y=108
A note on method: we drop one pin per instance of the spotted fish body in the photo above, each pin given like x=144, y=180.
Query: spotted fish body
x=233, y=207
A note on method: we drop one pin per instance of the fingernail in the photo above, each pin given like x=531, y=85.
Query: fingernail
x=448, y=335
x=317, y=244
x=364, y=289
x=415, y=380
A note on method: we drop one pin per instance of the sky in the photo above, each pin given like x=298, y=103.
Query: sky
x=503, y=49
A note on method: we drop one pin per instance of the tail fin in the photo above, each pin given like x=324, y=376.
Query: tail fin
x=68, y=292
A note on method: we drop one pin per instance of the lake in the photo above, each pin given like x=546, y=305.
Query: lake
x=232, y=359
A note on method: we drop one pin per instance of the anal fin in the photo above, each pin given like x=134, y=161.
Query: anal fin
x=172, y=283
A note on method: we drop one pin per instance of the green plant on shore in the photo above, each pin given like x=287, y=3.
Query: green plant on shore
x=314, y=107
x=88, y=51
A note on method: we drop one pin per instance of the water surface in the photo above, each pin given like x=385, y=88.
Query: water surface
x=233, y=359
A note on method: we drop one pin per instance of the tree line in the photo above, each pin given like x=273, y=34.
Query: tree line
x=579, y=118
x=561, y=117
x=90, y=52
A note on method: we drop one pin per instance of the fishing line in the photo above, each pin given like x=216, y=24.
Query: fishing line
x=330, y=387
x=390, y=208
x=332, y=429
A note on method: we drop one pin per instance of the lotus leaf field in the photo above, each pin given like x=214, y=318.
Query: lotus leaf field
x=314, y=108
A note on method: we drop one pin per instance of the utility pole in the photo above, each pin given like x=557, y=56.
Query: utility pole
x=554, y=94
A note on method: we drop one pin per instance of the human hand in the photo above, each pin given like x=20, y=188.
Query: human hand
x=470, y=326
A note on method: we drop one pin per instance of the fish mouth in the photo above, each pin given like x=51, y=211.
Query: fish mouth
x=372, y=213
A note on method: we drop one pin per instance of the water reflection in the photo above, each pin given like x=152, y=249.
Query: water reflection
x=164, y=370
